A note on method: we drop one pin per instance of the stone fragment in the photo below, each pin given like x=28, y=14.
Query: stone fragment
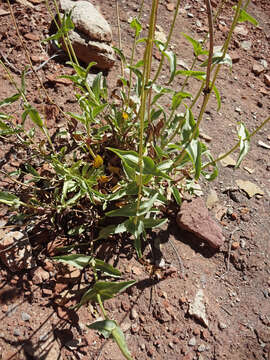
x=92, y=35
x=227, y=161
x=263, y=145
x=212, y=199
x=264, y=63
x=16, y=251
x=170, y=6
x=25, y=316
x=39, y=276
x=197, y=308
x=267, y=79
x=192, y=341
x=194, y=217
x=246, y=45
x=250, y=188
x=241, y=30
x=257, y=68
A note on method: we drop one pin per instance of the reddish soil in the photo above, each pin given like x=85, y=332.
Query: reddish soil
x=153, y=313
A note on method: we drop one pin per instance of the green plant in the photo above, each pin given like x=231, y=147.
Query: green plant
x=123, y=147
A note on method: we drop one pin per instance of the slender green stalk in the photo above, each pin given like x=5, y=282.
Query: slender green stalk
x=168, y=40
x=223, y=156
x=144, y=92
x=208, y=92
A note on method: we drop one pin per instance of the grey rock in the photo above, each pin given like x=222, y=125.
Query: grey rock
x=246, y=45
x=222, y=326
x=194, y=217
x=197, y=308
x=202, y=348
x=92, y=35
x=192, y=341
x=87, y=20
x=25, y=316
x=17, y=332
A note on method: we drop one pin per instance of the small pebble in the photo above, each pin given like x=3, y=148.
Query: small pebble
x=25, y=316
x=201, y=348
x=192, y=341
x=133, y=314
x=235, y=245
x=16, y=332
x=222, y=326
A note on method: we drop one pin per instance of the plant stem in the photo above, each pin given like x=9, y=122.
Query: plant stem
x=168, y=40
x=144, y=92
x=223, y=156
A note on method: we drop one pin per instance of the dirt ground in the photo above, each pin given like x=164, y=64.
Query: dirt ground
x=36, y=320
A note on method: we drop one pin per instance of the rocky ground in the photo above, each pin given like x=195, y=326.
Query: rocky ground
x=213, y=304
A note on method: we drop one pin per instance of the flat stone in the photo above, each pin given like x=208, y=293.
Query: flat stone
x=194, y=217
x=246, y=45
x=267, y=79
x=192, y=341
x=241, y=30
x=258, y=68
x=197, y=308
x=25, y=316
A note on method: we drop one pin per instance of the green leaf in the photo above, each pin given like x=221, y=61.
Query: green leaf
x=178, y=97
x=105, y=289
x=110, y=328
x=194, y=150
x=9, y=199
x=153, y=223
x=198, y=50
x=190, y=73
x=188, y=126
x=217, y=96
x=77, y=260
x=10, y=100
x=176, y=195
x=244, y=16
x=244, y=137
x=131, y=209
x=120, y=54
x=172, y=61
x=107, y=269
x=219, y=59
x=119, y=338
x=105, y=327
x=136, y=25
x=34, y=115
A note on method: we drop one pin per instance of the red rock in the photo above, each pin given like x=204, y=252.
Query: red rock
x=235, y=245
x=39, y=58
x=31, y=36
x=47, y=292
x=194, y=217
x=40, y=275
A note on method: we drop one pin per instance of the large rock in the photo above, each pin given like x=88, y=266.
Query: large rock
x=92, y=35
x=194, y=217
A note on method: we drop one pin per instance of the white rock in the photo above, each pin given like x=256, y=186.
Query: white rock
x=197, y=308
x=92, y=35
x=87, y=20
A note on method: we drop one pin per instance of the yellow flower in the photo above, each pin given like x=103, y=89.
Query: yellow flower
x=125, y=115
x=98, y=161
